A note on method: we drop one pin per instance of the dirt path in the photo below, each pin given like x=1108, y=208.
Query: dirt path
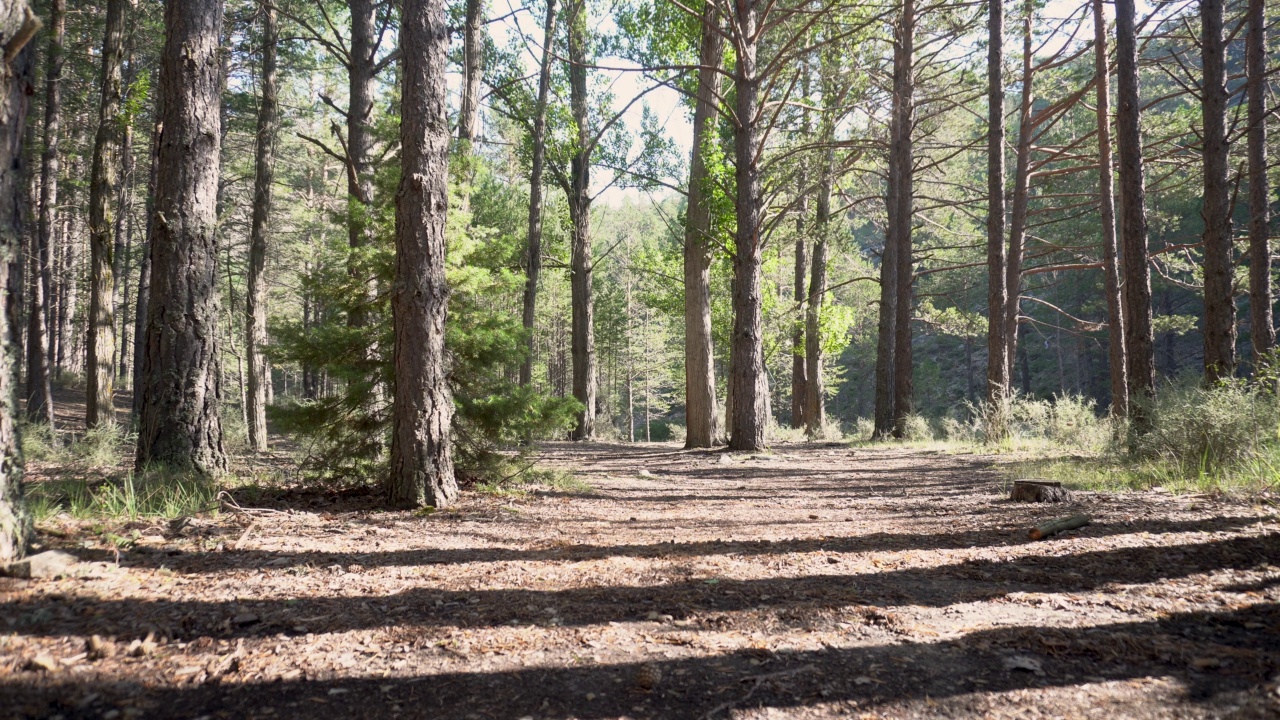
x=818, y=582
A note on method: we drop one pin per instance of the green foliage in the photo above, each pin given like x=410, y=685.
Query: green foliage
x=1211, y=431
x=154, y=493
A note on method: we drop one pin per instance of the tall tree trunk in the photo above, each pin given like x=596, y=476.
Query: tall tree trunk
x=799, y=379
x=1133, y=220
x=421, y=455
x=902, y=173
x=360, y=75
x=142, y=308
x=583, y=330
x=997, y=259
x=17, y=25
x=815, y=412
x=469, y=112
x=1261, y=326
x=749, y=423
x=123, y=200
x=1107, y=206
x=179, y=425
x=256, y=297
x=39, y=391
x=65, y=280
x=1219, y=263
x=886, y=335
x=702, y=418
x=1021, y=194
x=103, y=188
x=533, y=252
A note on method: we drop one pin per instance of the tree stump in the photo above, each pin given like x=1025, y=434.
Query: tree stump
x=1038, y=491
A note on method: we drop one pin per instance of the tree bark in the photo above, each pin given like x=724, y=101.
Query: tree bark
x=361, y=76
x=800, y=294
x=1219, y=297
x=902, y=174
x=1261, y=325
x=1133, y=222
x=749, y=424
x=1107, y=207
x=103, y=187
x=39, y=390
x=997, y=259
x=17, y=25
x=469, y=112
x=815, y=412
x=702, y=421
x=142, y=307
x=533, y=253
x=421, y=455
x=256, y=297
x=583, y=342
x=179, y=425
x=1021, y=195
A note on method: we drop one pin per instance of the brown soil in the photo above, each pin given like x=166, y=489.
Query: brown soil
x=816, y=582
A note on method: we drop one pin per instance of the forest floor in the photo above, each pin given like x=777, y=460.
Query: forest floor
x=815, y=581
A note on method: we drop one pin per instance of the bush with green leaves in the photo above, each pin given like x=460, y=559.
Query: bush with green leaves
x=1208, y=431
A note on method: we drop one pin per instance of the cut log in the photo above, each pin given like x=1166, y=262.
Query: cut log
x=1053, y=527
x=1038, y=491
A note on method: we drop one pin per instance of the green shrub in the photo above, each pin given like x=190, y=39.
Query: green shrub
x=1207, y=431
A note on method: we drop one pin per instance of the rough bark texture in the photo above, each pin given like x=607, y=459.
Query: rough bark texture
x=583, y=340
x=747, y=375
x=701, y=414
x=1107, y=209
x=1219, y=299
x=103, y=187
x=17, y=25
x=179, y=425
x=1261, y=325
x=472, y=68
x=39, y=394
x=533, y=252
x=1021, y=197
x=256, y=296
x=901, y=174
x=885, y=334
x=421, y=456
x=1133, y=219
x=997, y=290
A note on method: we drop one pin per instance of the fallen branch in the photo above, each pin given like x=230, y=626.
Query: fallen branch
x=1053, y=527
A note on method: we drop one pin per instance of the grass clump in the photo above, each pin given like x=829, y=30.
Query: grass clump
x=157, y=492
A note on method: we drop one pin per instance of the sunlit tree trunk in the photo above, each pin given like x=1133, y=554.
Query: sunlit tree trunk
x=1133, y=220
x=533, y=252
x=583, y=341
x=256, y=297
x=1219, y=260
x=701, y=414
x=142, y=307
x=421, y=455
x=179, y=424
x=749, y=424
x=1261, y=326
x=1107, y=208
x=1021, y=196
x=103, y=188
x=469, y=112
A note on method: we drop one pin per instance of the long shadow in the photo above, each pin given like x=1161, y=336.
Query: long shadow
x=197, y=562
x=937, y=679
x=971, y=581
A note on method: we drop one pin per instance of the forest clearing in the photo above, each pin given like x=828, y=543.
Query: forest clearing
x=814, y=581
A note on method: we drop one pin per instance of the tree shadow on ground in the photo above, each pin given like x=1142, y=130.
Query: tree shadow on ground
x=953, y=677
